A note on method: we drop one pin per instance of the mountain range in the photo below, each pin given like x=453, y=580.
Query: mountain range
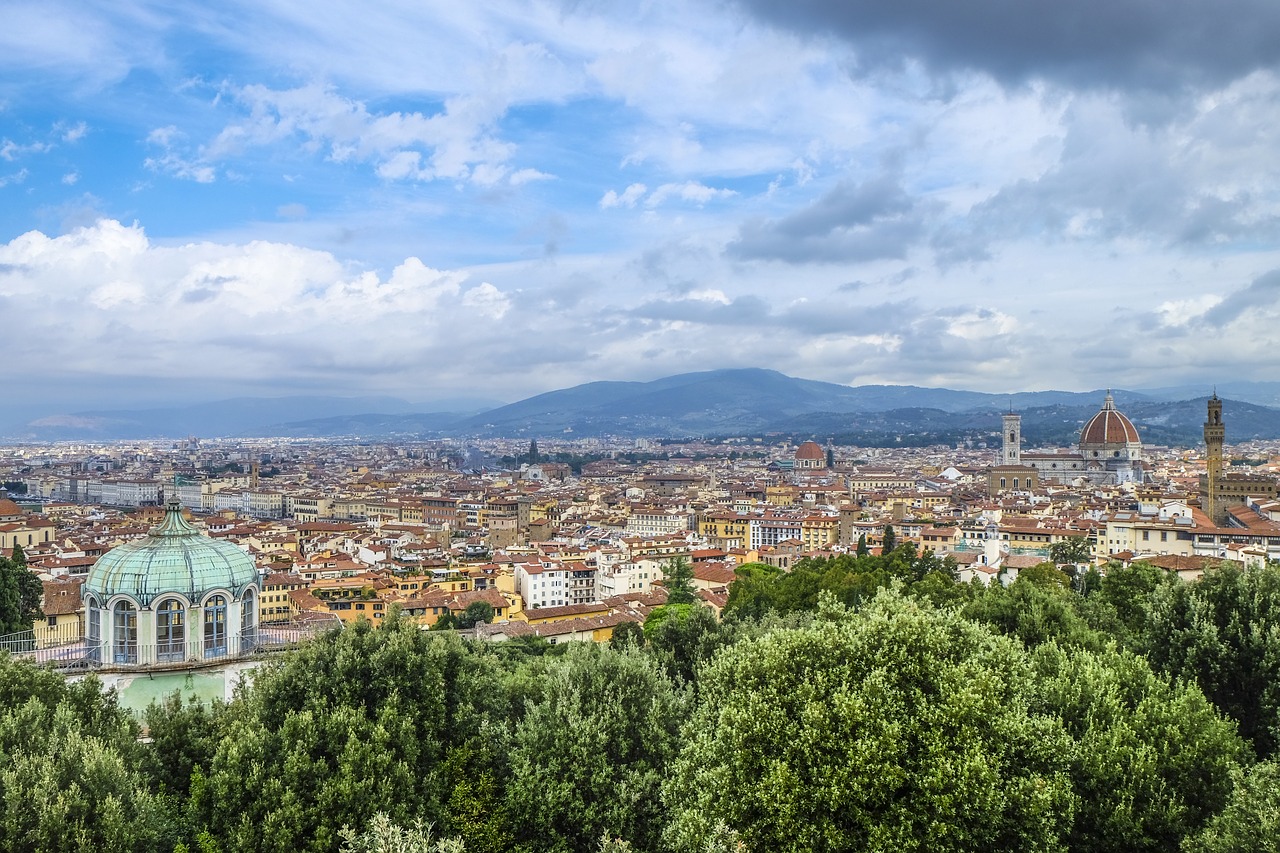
x=748, y=401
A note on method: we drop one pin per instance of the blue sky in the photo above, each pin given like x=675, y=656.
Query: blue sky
x=436, y=200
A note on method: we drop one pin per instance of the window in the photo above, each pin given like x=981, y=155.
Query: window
x=171, y=630
x=215, y=626
x=248, y=621
x=124, y=633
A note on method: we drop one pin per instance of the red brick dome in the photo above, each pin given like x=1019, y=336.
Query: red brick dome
x=810, y=450
x=1109, y=426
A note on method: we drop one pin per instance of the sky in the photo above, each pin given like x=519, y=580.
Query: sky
x=434, y=200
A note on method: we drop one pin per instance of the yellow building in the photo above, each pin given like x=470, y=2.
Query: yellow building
x=63, y=608
x=724, y=529
x=818, y=531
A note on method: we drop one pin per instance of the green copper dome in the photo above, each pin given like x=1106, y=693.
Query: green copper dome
x=174, y=557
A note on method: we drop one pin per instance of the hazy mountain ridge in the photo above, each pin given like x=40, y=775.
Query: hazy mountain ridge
x=709, y=403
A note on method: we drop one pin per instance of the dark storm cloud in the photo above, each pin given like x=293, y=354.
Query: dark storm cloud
x=1264, y=292
x=1157, y=45
x=851, y=222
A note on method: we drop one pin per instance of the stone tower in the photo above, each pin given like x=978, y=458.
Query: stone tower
x=1011, y=453
x=1214, y=433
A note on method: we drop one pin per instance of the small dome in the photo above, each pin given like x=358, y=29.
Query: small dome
x=1109, y=426
x=810, y=450
x=174, y=557
x=9, y=509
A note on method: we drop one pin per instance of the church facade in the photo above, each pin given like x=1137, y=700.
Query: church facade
x=1109, y=453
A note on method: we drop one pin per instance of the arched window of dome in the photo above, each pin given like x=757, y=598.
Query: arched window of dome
x=171, y=631
x=93, y=631
x=124, y=633
x=248, y=621
x=215, y=626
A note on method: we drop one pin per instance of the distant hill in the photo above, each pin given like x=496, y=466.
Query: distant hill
x=705, y=403
x=237, y=416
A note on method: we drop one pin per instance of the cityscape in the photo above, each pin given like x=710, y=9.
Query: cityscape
x=694, y=426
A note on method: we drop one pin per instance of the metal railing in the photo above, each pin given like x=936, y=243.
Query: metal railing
x=106, y=653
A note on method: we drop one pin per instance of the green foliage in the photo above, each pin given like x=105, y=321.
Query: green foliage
x=900, y=729
x=476, y=612
x=1152, y=761
x=1072, y=550
x=591, y=750
x=1034, y=612
x=889, y=541
x=853, y=703
x=21, y=595
x=1128, y=593
x=383, y=836
x=82, y=794
x=682, y=638
x=184, y=737
x=70, y=768
x=1251, y=821
x=356, y=722
x=759, y=589
x=627, y=635
x=678, y=581
x=1223, y=633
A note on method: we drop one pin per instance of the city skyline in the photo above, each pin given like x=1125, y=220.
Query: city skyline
x=433, y=202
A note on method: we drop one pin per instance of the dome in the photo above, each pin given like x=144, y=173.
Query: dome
x=810, y=450
x=175, y=557
x=9, y=509
x=1109, y=426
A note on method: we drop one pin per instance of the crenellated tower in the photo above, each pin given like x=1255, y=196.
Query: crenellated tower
x=1214, y=434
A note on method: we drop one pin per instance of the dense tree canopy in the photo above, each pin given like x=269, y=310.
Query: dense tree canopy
x=857, y=702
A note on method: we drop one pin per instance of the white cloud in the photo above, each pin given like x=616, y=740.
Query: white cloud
x=690, y=191
x=10, y=150
x=628, y=197
x=74, y=133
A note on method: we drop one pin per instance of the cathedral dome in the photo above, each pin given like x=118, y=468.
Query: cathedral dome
x=175, y=557
x=1109, y=427
x=810, y=450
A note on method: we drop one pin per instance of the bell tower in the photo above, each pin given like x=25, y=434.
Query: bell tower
x=1214, y=433
x=1011, y=448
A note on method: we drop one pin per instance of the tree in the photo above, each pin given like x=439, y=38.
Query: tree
x=863, y=550
x=897, y=728
x=1073, y=550
x=890, y=540
x=353, y=723
x=626, y=635
x=1152, y=760
x=476, y=612
x=1223, y=633
x=591, y=750
x=678, y=581
x=682, y=638
x=1250, y=823
x=383, y=836
x=21, y=595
